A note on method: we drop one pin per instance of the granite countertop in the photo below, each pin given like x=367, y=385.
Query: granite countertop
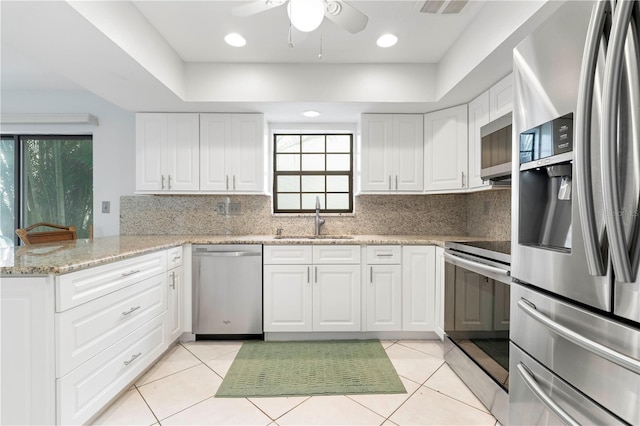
x=69, y=256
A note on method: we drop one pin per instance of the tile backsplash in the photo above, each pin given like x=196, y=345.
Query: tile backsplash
x=442, y=214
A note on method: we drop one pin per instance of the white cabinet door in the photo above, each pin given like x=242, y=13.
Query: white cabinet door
x=151, y=138
x=408, y=136
x=167, y=150
x=336, y=298
x=439, y=294
x=175, y=281
x=232, y=152
x=478, y=117
x=501, y=98
x=246, y=155
x=384, y=297
x=287, y=298
x=445, y=155
x=376, y=162
x=418, y=288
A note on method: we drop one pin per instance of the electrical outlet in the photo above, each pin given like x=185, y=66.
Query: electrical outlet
x=234, y=208
x=220, y=208
x=106, y=206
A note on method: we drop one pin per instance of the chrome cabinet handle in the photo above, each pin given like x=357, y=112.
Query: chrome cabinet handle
x=396, y=182
x=227, y=180
x=126, y=274
x=384, y=255
x=582, y=145
x=533, y=385
x=169, y=181
x=234, y=182
x=462, y=178
x=176, y=257
x=133, y=358
x=609, y=354
x=162, y=184
x=308, y=274
x=173, y=280
x=469, y=263
x=131, y=310
x=609, y=140
x=371, y=274
x=316, y=275
x=389, y=182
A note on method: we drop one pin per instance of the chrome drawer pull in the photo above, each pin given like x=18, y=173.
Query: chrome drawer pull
x=176, y=257
x=533, y=385
x=131, y=310
x=133, y=358
x=126, y=274
x=609, y=354
x=384, y=254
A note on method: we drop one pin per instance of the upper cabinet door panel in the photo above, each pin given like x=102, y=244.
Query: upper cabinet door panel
x=248, y=155
x=409, y=148
x=151, y=138
x=182, y=154
x=215, y=131
x=445, y=156
x=377, y=134
x=501, y=98
x=478, y=117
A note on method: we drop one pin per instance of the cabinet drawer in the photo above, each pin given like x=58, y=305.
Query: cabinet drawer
x=88, y=388
x=86, y=330
x=384, y=255
x=287, y=255
x=80, y=287
x=339, y=254
x=174, y=257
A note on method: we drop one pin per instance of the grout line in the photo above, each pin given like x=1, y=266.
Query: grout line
x=283, y=414
x=148, y=406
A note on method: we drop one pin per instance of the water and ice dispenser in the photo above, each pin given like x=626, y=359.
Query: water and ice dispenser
x=546, y=170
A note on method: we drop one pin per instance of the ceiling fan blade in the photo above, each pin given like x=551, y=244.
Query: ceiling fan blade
x=255, y=7
x=346, y=16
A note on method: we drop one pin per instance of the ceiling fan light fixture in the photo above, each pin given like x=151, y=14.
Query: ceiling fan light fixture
x=305, y=15
x=235, y=40
x=387, y=40
x=311, y=114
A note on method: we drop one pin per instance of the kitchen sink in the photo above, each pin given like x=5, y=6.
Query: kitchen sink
x=314, y=237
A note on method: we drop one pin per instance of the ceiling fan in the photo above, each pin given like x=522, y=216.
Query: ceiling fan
x=306, y=15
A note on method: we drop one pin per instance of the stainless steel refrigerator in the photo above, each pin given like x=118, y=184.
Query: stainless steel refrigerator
x=575, y=298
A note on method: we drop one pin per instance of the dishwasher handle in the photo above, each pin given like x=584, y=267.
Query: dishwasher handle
x=220, y=253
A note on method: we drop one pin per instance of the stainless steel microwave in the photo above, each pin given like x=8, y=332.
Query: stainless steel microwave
x=495, y=142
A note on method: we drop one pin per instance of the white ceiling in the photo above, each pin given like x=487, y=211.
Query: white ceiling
x=170, y=56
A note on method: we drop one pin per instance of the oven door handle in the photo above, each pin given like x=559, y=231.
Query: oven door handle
x=533, y=385
x=596, y=348
x=470, y=263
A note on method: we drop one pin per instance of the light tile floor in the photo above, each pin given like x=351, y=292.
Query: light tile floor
x=179, y=390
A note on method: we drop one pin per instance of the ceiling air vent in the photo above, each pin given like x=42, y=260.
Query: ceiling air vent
x=443, y=7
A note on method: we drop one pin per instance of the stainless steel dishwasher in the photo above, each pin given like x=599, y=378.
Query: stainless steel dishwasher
x=227, y=291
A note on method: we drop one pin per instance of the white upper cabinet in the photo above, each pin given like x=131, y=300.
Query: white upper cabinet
x=478, y=117
x=392, y=153
x=167, y=148
x=501, y=98
x=445, y=149
x=232, y=153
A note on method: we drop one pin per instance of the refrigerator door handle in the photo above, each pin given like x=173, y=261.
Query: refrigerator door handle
x=609, y=141
x=595, y=35
x=609, y=354
x=533, y=385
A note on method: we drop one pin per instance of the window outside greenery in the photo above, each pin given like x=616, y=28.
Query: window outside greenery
x=54, y=183
x=310, y=166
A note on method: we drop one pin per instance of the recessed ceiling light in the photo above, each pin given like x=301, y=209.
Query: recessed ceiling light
x=311, y=114
x=235, y=40
x=387, y=40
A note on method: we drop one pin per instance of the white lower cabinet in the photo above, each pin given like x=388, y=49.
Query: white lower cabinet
x=311, y=296
x=383, y=287
x=418, y=288
x=72, y=342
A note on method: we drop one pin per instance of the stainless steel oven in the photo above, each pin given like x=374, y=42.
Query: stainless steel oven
x=477, y=317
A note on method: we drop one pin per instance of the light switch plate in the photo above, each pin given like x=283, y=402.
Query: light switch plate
x=234, y=208
x=220, y=208
x=106, y=206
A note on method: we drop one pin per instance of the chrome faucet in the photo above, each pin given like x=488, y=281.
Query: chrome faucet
x=319, y=222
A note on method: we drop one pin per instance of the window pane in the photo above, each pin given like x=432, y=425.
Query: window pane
x=338, y=162
x=312, y=162
x=337, y=183
x=309, y=201
x=313, y=143
x=288, y=183
x=287, y=143
x=312, y=183
x=8, y=192
x=337, y=201
x=288, y=162
x=289, y=201
x=59, y=182
x=338, y=143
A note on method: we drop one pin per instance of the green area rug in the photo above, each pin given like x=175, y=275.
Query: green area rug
x=268, y=369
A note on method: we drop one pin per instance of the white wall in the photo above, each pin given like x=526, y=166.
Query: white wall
x=113, y=143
